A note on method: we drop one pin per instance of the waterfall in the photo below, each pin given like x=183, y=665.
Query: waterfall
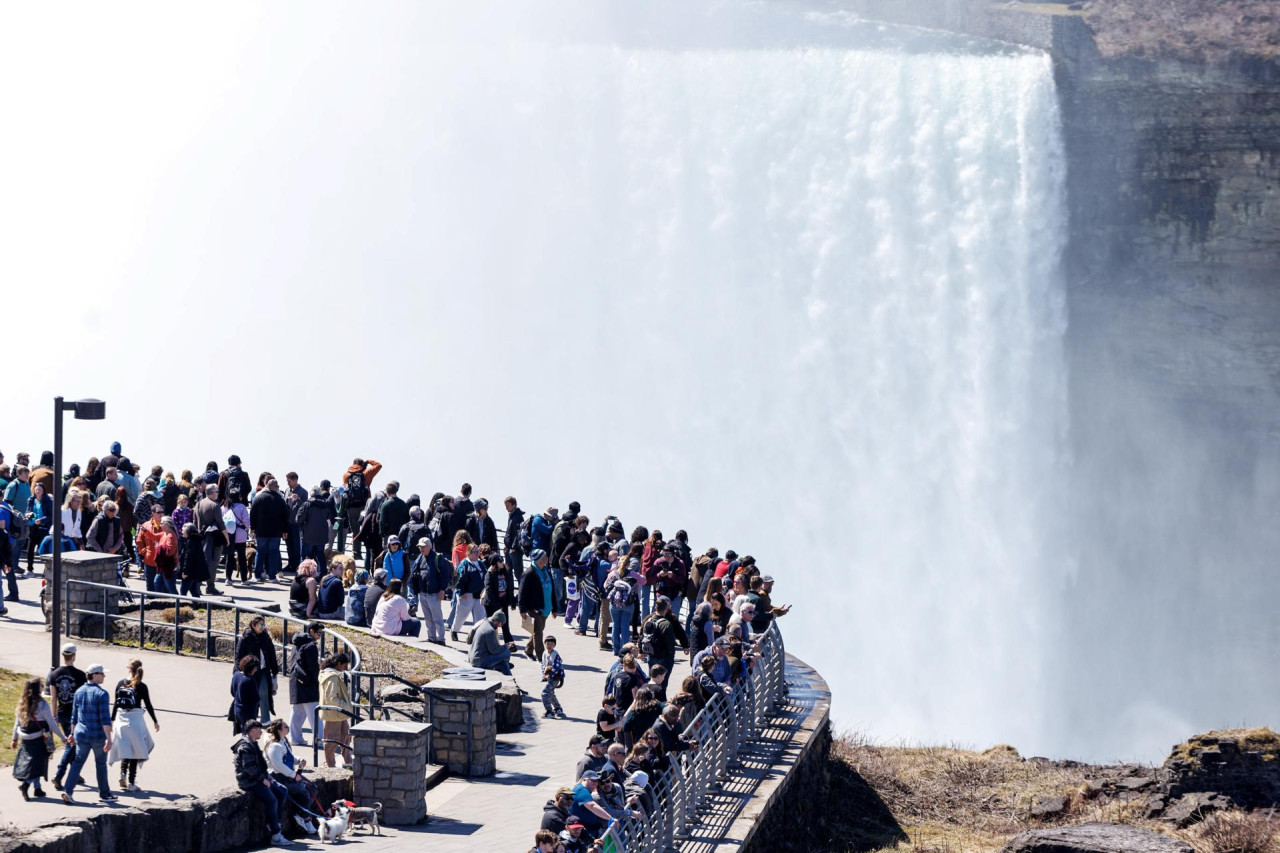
x=783, y=280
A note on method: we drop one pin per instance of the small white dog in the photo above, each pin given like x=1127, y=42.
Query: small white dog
x=334, y=828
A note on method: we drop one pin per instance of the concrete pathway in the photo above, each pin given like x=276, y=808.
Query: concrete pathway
x=498, y=813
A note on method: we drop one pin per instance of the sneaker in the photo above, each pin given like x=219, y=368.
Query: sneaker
x=67, y=798
x=124, y=784
x=560, y=713
x=549, y=713
x=107, y=798
x=311, y=827
x=302, y=822
x=38, y=792
x=280, y=841
x=57, y=783
x=22, y=789
x=134, y=788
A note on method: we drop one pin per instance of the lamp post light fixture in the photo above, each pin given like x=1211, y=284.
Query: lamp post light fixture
x=85, y=410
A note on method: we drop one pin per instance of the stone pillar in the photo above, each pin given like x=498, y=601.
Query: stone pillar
x=82, y=566
x=391, y=768
x=448, y=738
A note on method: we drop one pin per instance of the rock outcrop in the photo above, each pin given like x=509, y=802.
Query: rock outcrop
x=1095, y=838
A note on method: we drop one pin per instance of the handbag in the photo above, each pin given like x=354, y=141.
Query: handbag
x=526, y=622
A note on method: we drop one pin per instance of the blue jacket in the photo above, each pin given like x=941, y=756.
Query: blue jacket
x=432, y=574
x=470, y=578
x=540, y=533
x=354, y=614
x=397, y=566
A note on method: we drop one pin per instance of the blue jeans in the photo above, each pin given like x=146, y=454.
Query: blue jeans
x=264, y=696
x=149, y=572
x=272, y=799
x=621, y=617
x=500, y=662
x=163, y=584
x=646, y=600
x=557, y=591
x=314, y=552
x=68, y=752
x=267, y=559
x=83, y=750
x=590, y=610
x=621, y=626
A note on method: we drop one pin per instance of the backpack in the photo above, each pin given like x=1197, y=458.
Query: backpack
x=17, y=523
x=526, y=534
x=357, y=489
x=648, y=636
x=621, y=594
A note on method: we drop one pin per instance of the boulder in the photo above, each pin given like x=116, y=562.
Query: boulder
x=1243, y=764
x=1195, y=807
x=1050, y=807
x=510, y=709
x=1095, y=838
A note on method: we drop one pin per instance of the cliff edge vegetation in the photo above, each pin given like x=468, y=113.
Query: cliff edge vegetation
x=1195, y=30
x=939, y=799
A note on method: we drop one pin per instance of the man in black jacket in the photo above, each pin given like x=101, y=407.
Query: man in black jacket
x=481, y=527
x=414, y=530
x=251, y=776
x=511, y=538
x=269, y=519
x=556, y=811
x=234, y=478
x=393, y=513
x=666, y=632
x=304, y=680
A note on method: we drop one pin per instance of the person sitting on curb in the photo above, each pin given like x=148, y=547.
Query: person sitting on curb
x=251, y=776
x=487, y=651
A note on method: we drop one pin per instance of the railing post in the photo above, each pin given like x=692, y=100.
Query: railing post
x=235, y=640
x=177, y=614
x=208, y=631
x=142, y=619
x=105, y=629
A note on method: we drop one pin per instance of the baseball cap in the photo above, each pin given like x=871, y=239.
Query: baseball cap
x=597, y=739
x=767, y=579
x=69, y=649
x=393, y=540
x=94, y=669
x=590, y=774
x=573, y=821
x=482, y=504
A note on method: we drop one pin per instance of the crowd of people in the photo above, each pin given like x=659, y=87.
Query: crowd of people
x=642, y=596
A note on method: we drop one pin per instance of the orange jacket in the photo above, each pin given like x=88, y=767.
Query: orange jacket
x=371, y=469
x=149, y=535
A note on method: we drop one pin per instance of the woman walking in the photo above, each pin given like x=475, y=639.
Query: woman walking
x=257, y=642
x=191, y=563
x=131, y=743
x=33, y=733
x=244, y=694
x=470, y=587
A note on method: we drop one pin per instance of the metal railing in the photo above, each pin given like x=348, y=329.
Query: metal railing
x=110, y=593
x=364, y=698
x=727, y=723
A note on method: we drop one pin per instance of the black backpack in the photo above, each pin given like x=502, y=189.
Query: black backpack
x=357, y=489
x=648, y=635
x=526, y=534
x=18, y=525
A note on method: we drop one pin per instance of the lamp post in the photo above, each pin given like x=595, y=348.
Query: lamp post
x=85, y=410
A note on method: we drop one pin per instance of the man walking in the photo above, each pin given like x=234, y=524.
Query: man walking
x=91, y=733
x=358, y=482
x=393, y=513
x=63, y=683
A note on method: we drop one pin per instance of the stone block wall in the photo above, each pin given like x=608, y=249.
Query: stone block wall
x=227, y=820
x=391, y=768
x=450, y=719
x=84, y=566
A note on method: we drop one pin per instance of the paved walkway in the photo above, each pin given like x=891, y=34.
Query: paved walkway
x=498, y=813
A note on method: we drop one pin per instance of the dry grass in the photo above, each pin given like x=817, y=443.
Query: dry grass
x=1236, y=832
x=11, y=684
x=934, y=799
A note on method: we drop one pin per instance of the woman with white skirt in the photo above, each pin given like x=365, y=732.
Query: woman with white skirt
x=131, y=743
